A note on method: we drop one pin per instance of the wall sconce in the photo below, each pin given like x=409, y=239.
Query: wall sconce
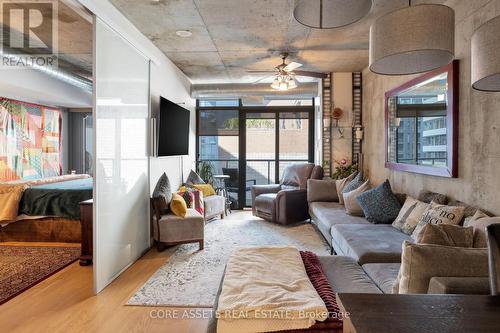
x=358, y=133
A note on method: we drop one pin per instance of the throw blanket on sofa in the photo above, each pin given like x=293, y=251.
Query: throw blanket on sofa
x=266, y=290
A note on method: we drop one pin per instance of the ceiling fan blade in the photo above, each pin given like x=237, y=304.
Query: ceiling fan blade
x=291, y=66
x=311, y=74
x=257, y=71
x=264, y=78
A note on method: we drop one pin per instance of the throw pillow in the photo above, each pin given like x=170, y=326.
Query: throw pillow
x=178, y=205
x=380, y=205
x=437, y=214
x=162, y=194
x=421, y=262
x=188, y=197
x=479, y=222
x=409, y=215
x=322, y=190
x=194, y=178
x=446, y=235
x=206, y=189
x=354, y=184
x=341, y=183
x=351, y=205
x=428, y=197
x=468, y=209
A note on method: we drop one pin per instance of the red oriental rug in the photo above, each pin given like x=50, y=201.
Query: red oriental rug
x=21, y=267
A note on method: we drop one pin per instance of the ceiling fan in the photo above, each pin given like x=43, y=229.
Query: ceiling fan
x=284, y=74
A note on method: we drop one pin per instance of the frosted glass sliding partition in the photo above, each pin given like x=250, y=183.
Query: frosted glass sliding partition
x=121, y=191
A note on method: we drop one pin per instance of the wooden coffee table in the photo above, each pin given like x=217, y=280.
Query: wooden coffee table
x=382, y=313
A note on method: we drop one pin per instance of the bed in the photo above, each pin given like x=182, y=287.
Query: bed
x=47, y=209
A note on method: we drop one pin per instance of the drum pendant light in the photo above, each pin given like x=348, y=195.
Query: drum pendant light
x=412, y=40
x=485, y=63
x=329, y=14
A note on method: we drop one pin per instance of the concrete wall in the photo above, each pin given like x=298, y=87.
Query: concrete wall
x=479, y=144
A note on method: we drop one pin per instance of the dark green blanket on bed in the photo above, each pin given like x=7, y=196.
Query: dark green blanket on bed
x=60, y=199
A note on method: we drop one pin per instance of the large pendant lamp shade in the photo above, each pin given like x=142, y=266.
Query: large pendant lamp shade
x=328, y=14
x=412, y=40
x=485, y=59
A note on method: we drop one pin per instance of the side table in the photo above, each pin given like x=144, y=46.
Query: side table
x=86, y=220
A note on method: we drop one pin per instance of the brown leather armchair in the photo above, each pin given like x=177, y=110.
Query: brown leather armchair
x=286, y=203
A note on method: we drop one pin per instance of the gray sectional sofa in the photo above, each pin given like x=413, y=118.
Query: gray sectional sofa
x=368, y=256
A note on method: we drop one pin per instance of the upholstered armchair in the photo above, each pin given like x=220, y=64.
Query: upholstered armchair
x=286, y=202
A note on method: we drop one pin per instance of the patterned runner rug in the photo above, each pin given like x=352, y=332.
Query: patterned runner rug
x=191, y=278
x=21, y=267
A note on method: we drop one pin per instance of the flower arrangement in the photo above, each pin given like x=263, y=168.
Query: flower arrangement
x=343, y=169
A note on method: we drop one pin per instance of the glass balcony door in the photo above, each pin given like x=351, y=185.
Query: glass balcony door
x=251, y=144
x=260, y=152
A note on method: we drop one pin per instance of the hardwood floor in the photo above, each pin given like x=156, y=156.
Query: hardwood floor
x=65, y=303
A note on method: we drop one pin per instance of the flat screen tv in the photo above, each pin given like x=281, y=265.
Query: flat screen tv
x=173, y=129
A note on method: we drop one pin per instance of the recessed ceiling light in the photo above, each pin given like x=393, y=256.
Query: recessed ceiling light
x=184, y=33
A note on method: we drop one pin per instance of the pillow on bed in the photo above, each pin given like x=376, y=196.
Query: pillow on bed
x=10, y=196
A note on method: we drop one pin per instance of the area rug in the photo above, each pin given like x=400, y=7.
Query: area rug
x=191, y=277
x=21, y=267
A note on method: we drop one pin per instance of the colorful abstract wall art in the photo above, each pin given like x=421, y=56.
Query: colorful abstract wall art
x=30, y=140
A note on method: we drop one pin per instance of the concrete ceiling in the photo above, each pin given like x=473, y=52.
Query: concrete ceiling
x=232, y=36
x=74, y=38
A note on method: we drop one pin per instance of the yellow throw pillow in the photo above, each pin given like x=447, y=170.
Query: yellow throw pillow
x=178, y=205
x=206, y=189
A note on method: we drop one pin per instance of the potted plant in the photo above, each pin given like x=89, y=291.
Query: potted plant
x=343, y=169
x=206, y=171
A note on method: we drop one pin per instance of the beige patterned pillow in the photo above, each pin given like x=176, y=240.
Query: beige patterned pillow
x=409, y=215
x=437, y=214
x=341, y=183
x=351, y=204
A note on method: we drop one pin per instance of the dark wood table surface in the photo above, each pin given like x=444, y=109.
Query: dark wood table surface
x=373, y=313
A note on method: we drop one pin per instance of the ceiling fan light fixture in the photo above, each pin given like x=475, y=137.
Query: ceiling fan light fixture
x=412, y=40
x=329, y=14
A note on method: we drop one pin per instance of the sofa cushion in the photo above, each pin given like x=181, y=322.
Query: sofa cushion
x=194, y=178
x=446, y=235
x=368, y=243
x=459, y=285
x=410, y=215
x=346, y=276
x=384, y=275
x=421, y=262
x=479, y=222
x=438, y=214
x=266, y=202
x=380, y=205
x=355, y=183
x=341, y=183
x=326, y=214
x=319, y=190
x=428, y=197
x=351, y=204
